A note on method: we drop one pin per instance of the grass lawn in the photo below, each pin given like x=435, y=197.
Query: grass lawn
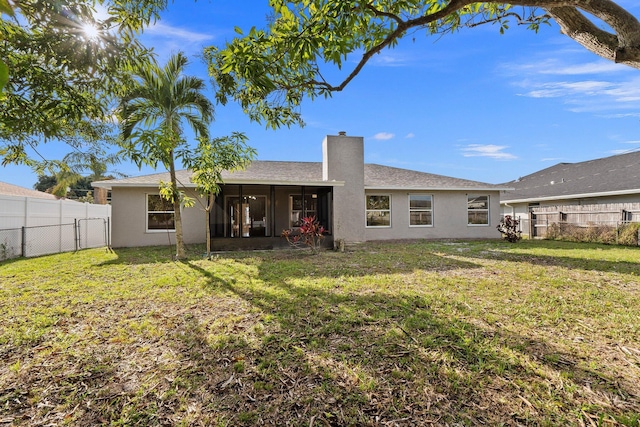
x=393, y=334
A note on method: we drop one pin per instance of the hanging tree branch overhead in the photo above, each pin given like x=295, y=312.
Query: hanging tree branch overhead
x=270, y=71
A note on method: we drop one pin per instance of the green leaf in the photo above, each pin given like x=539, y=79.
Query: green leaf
x=5, y=8
x=4, y=75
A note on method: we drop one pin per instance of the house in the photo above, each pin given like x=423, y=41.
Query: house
x=354, y=201
x=603, y=191
x=7, y=189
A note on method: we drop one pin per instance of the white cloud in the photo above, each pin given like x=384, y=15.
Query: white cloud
x=383, y=136
x=621, y=115
x=555, y=67
x=391, y=59
x=583, y=85
x=160, y=29
x=561, y=89
x=410, y=135
x=490, y=150
x=168, y=40
x=560, y=65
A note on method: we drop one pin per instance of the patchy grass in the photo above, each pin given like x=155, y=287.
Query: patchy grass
x=442, y=333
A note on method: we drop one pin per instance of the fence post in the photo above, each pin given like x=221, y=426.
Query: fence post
x=75, y=233
x=23, y=244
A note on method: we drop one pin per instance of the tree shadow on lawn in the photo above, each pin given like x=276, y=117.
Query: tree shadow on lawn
x=299, y=262
x=517, y=253
x=342, y=357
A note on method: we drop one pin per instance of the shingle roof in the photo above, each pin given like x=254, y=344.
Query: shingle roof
x=14, y=190
x=379, y=176
x=297, y=173
x=609, y=175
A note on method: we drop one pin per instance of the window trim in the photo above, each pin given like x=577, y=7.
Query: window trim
x=488, y=210
x=146, y=218
x=366, y=211
x=420, y=210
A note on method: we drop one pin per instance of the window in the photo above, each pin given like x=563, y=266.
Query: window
x=420, y=210
x=300, y=210
x=159, y=214
x=378, y=211
x=478, y=210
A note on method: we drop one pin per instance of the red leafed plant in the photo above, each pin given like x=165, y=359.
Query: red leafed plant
x=310, y=233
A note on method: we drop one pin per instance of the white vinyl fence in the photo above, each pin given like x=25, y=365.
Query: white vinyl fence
x=32, y=227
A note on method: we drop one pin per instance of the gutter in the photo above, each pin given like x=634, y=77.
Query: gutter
x=380, y=188
x=111, y=185
x=573, y=196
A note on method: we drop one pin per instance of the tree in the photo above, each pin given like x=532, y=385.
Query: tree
x=63, y=69
x=209, y=160
x=45, y=183
x=151, y=118
x=81, y=169
x=270, y=71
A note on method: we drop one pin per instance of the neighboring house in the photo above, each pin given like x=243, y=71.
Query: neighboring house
x=355, y=202
x=14, y=190
x=603, y=191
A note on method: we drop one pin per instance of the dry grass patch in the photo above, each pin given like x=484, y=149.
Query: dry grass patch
x=426, y=333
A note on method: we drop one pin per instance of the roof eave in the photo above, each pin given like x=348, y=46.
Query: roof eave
x=111, y=185
x=573, y=196
x=395, y=188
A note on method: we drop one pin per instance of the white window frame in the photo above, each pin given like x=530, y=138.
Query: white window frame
x=367, y=210
x=420, y=210
x=147, y=211
x=488, y=210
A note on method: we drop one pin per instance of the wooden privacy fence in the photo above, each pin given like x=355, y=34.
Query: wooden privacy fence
x=613, y=215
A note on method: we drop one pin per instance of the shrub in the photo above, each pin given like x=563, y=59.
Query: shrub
x=594, y=233
x=628, y=234
x=310, y=234
x=509, y=228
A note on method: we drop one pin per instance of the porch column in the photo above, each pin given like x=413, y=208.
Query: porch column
x=272, y=210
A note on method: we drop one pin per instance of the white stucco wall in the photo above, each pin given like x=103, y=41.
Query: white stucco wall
x=343, y=160
x=449, y=217
x=129, y=216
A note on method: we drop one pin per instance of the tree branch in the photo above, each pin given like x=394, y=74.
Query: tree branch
x=403, y=26
x=622, y=46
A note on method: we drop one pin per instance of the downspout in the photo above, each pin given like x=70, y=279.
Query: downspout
x=513, y=212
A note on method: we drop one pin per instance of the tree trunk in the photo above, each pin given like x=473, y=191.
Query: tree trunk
x=177, y=215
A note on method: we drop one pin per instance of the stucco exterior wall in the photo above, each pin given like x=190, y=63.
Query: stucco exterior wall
x=129, y=216
x=343, y=160
x=449, y=217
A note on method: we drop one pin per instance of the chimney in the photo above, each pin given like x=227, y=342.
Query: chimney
x=343, y=160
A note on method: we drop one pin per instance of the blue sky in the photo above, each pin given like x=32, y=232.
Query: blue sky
x=475, y=105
